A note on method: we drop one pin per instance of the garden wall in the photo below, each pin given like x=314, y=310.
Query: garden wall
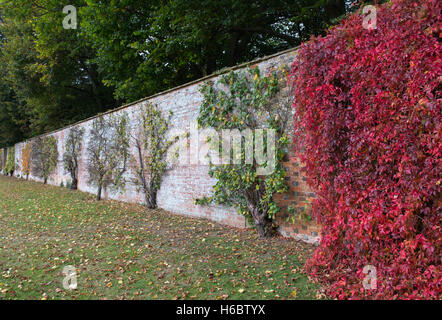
x=182, y=184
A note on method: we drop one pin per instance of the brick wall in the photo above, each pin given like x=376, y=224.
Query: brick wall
x=183, y=183
x=297, y=196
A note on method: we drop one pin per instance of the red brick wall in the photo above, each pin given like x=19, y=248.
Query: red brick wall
x=183, y=183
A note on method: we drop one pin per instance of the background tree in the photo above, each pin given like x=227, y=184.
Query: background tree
x=71, y=154
x=149, y=164
x=48, y=79
x=108, y=152
x=245, y=100
x=44, y=156
x=26, y=160
x=14, y=117
x=126, y=50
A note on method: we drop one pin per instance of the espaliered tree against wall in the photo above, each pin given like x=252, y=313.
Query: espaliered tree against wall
x=10, y=162
x=247, y=100
x=152, y=144
x=71, y=154
x=108, y=152
x=26, y=160
x=369, y=127
x=44, y=157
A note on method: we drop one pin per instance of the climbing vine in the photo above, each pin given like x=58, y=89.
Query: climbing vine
x=1, y=160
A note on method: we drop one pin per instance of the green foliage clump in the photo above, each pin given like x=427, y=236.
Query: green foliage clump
x=162, y=44
x=1, y=160
x=247, y=100
x=301, y=213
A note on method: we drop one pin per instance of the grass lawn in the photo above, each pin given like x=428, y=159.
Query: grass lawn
x=120, y=251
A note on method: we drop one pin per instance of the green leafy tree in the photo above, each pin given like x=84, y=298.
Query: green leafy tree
x=247, y=100
x=26, y=160
x=144, y=47
x=44, y=156
x=152, y=144
x=108, y=152
x=71, y=154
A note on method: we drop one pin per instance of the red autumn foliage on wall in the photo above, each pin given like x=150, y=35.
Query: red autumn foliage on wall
x=368, y=119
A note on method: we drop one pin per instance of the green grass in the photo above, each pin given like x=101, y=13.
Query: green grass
x=121, y=251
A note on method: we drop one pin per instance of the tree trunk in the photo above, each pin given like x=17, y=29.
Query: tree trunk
x=151, y=199
x=45, y=180
x=74, y=183
x=264, y=225
x=99, y=192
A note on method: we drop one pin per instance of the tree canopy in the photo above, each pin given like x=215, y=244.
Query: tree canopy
x=123, y=50
x=47, y=77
